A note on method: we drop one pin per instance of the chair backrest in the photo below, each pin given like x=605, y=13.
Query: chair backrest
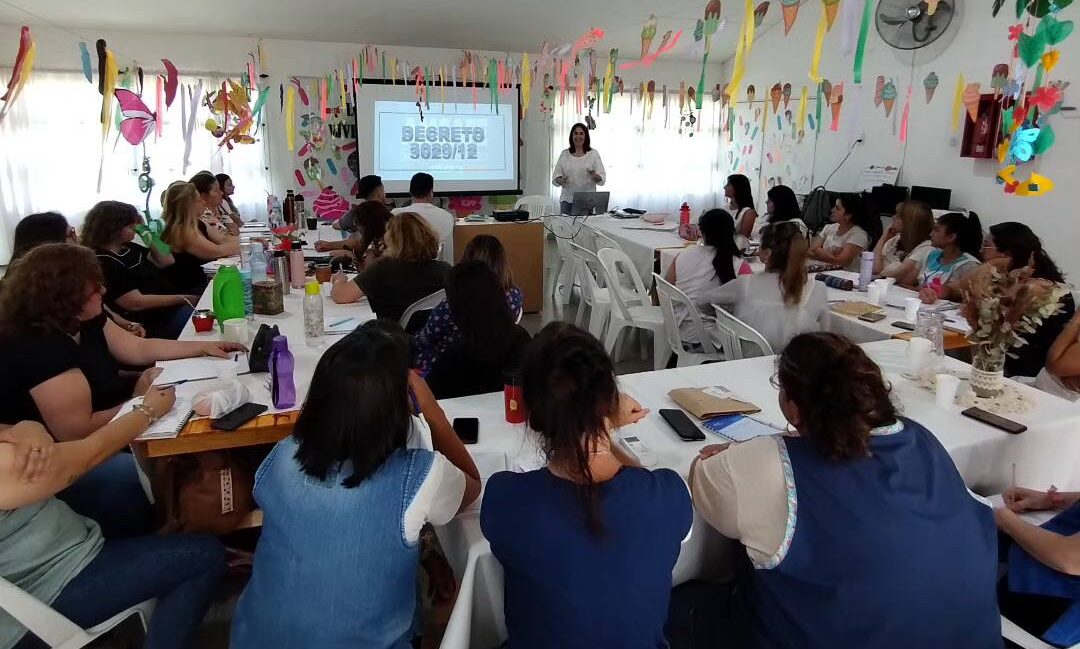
x=598, y=240
x=670, y=295
x=537, y=206
x=562, y=227
x=591, y=270
x=621, y=274
x=423, y=304
x=734, y=334
x=53, y=628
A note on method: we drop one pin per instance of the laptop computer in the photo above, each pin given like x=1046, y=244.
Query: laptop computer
x=586, y=203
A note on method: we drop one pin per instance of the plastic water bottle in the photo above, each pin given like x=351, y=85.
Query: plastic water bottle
x=282, y=363
x=313, y=314
x=866, y=270
x=258, y=263
x=684, y=214
x=249, y=306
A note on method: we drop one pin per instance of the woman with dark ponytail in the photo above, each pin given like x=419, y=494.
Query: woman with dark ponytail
x=938, y=272
x=741, y=201
x=592, y=527
x=1013, y=246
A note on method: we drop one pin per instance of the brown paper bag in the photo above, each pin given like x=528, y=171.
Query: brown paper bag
x=703, y=405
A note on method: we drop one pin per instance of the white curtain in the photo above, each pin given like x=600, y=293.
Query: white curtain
x=51, y=148
x=650, y=164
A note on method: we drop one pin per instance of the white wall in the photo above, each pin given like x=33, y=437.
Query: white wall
x=932, y=155
x=58, y=50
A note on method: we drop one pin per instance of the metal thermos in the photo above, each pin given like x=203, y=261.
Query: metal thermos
x=281, y=270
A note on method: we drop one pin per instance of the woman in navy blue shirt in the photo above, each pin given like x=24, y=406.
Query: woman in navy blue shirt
x=589, y=542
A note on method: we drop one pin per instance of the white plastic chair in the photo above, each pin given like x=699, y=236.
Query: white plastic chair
x=594, y=292
x=1012, y=632
x=734, y=335
x=54, y=629
x=669, y=295
x=537, y=206
x=597, y=240
x=622, y=277
x=423, y=304
x=564, y=272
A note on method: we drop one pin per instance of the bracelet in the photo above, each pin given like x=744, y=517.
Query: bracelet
x=1056, y=499
x=146, y=411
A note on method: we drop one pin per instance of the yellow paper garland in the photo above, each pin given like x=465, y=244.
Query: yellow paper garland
x=290, y=119
x=958, y=102
x=819, y=42
x=804, y=98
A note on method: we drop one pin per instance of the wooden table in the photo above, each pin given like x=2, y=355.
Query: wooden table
x=199, y=435
x=524, y=244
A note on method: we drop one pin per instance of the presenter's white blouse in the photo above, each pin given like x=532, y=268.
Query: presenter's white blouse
x=576, y=171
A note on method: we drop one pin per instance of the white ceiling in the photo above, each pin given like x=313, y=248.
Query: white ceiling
x=498, y=25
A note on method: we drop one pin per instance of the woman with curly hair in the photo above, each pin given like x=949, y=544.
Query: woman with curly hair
x=858, y=525
x=62, y=356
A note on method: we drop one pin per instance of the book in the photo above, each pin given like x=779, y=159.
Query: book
x=738, y=428
x=169, y=426
x=706, y=403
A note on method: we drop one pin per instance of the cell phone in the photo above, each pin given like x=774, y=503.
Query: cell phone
x=467, y=429
x=990, y=419
x=902, y=324
x=681, y=424
x=872, y=317
x=238, y=417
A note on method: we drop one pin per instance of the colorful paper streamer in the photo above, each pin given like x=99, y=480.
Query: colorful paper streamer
x=864, y=30
x=290, y=119
x=819, y=42
x=958, y=102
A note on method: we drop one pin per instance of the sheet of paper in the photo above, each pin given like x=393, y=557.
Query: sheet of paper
x=648, y=226
x=1035, y=518
x=875, y=175
x=168, y=426
x=202, y=368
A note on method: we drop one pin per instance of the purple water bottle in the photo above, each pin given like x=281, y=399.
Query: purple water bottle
x=282, y=387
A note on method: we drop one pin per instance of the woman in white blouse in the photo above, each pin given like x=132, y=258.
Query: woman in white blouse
x=841, y=242
x=779, y=303
x=579, y=168
x=907, y=236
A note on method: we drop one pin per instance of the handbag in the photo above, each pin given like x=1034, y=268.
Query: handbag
x=205, y=493
x=259, y=356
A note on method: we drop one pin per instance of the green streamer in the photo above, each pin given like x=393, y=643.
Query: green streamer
x=817, y=110
x=860, y=50
x=493, y=83
x=1038, y=78
x=383, y=65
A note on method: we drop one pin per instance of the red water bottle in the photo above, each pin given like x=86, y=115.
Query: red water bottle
x=513, y=399
x=684, y=214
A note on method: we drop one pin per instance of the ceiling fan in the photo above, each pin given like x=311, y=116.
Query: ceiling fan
x=911, y=25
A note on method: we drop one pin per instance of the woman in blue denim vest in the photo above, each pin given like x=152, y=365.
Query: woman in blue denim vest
x=344, y=499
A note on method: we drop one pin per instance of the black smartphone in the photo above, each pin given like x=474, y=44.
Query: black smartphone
x=872, y=317
x=681, y=424
x=467, y=429
x=239, y=417
x=901, y=324
x=990, y=419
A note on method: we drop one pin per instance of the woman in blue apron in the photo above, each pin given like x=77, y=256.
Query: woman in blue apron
x=1042, y=590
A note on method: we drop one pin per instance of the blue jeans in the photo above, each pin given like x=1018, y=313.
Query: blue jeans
x=182, y=571
x=111, y=495
x=565, y=207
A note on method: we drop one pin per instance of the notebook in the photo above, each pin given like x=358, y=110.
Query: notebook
x=738, y=428
x=168, y=426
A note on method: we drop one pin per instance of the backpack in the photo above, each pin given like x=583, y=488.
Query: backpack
x=816, y=209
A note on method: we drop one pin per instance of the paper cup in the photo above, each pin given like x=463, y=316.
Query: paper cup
x=236, y=330
x=945, y=387
x=875, y=293
x=918, y=356
x=911, y=309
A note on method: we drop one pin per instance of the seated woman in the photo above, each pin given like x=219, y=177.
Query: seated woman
x=485, y=343
x=62, y=358
x=1013, y=246
x=825, y=513
x=366, y=225
x=62, y=559
x=344, y=499
x=908, y=236
x=407, y=271
x=782, y=301
x=587, y=543
x=1061, y=376
x=1039, y=590
x=368, y=188
x=935, y=272
x=697, y=269
x=135, y=284
x=227, y=209
x=842, y=242
x=783, y=206
x=186, y=233
x=441, y=332
x=740, y=198
x=219, y=228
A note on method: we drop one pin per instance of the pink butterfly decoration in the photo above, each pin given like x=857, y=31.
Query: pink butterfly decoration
x=138, y=122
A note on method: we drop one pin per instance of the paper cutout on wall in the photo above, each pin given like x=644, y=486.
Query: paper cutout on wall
x=930, y=84
x=138, y=122
x=759, y=13
x=819, y=42
x=776, y=93
x=804, y=97
x=906, y=116
x=586, y=40
x=648, y=33
x=787, y=94
x=751, y=92
x=1046, y=98
x=108, y=83
x=999, y=79
x=743, y=44
x=290, y=119
x=958, y=102
x=650, y=93
x=87, y=66
x=188, y=110
x=707, y=28
x=667, y=43
x=836, y=101
x=888, y=97
x=998, y=4
x=864, y=30
x=20, y=72
x=971, y=100
x=329, y=205
x=878, y=87
x=931, y=7
x=1035, y=185
x=831, y=7
x=790, y=9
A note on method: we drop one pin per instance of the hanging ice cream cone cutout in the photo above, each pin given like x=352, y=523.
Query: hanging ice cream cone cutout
x=836, y=103
x=791, y=11
x=648, y=33
x=759, y=13
x=650, y=93
x=888, y=97
x=831, y=7
x=930, y=84
x=999, y=79
x=787, y=95
x=751, y=91
x=775, y=95
x=971, y=100
x=878, y=87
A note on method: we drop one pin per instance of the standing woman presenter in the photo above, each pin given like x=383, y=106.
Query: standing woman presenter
x=579, y=168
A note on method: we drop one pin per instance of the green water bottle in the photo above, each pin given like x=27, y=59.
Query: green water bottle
x=228, y=295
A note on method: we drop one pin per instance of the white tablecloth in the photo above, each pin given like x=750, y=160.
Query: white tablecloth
x=1045, y=454
x=639, y=245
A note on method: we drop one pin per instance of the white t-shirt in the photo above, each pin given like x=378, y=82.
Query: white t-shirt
x=894, y=259
x=576, y=173
x=694, y=274
x=758, y=302
x=834, y=242
x=439, y=497
x=441, y=221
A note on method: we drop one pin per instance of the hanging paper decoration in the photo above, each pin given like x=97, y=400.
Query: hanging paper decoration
x=587, y=40
x=329, y=205
x=493, y=83
x=137, y=120
x=743, y=45
x=906, y=116
x=650, y=93
x=836, y=100
x=831, y=8
x=790, y=8
x=804, y=97
x=864, y=29
x=971, y=100
x=879, y=86
x=648, y=33
x=888, y=97
x=930, y=84
x=87, y=66
x=108, y=83
x=667, y=43
x=999, y=78
x=819, y=42
x=172, y=80
x=159, y=104
x=759, y=13
x=707, y=27
x=609, y=77
x=786, y=93
x=958, y=102
x=1035, y=185
x=20, y=72
x=998, y=4
x=776, y=93
x=290, y=119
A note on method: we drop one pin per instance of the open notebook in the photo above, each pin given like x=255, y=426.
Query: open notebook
x=168, y=426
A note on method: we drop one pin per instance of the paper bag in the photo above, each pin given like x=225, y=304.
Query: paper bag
x=710, y=402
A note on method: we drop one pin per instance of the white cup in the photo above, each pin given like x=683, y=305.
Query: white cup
x=236, y=330
x=918, y=355
x=875, y=293
x=945, y=387
x=911, y=309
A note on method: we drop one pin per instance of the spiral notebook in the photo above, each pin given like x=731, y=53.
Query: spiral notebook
x=168, y=426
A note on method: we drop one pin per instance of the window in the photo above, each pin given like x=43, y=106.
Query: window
x=650, y=165
x=52, y=151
